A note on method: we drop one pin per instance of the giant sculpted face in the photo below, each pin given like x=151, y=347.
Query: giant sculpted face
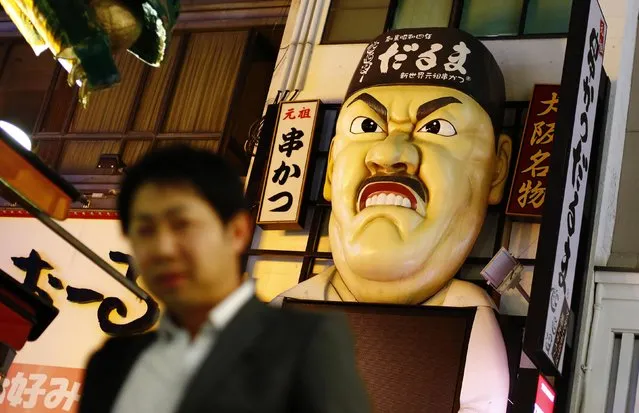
x=412, y=170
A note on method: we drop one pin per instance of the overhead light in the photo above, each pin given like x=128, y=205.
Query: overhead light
x=16, y=133
x=111, y=162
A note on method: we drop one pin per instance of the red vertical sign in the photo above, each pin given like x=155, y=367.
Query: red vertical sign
x=545, y=399
x=528, y=191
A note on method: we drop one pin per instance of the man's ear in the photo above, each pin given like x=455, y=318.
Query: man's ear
x=329, y=174
x=240, y=228
x=502, y=164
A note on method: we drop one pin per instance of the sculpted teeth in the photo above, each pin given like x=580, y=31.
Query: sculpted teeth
x=388, y=199
x=394, y=200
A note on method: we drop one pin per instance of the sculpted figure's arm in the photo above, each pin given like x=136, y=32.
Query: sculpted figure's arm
x=327, y=378
x=486, y=375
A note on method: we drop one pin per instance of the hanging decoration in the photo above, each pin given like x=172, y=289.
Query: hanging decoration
x=83, y=35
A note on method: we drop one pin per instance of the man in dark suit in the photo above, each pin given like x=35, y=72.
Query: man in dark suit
x=217, y=348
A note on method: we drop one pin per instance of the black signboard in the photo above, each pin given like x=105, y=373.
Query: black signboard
x=564, y=245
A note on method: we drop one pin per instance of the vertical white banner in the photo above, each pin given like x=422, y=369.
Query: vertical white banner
x=575, y=188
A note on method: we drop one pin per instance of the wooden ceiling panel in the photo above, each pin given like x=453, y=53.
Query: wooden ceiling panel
x=83, y=155
x=206, y=83
x=155, y=89
x=109, y=110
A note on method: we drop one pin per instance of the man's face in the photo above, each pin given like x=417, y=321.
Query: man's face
x=411, y=172
x=187, y=256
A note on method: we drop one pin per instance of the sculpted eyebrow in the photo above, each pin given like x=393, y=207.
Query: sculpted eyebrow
x=430, y=107
x=374, y=104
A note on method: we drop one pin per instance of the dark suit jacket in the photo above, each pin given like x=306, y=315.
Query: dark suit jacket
x=265, y=360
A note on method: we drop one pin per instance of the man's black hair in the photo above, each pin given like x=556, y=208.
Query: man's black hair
x=209, y=174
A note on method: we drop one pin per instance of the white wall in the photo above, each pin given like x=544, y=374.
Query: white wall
x=621, y=16
x=625, y=243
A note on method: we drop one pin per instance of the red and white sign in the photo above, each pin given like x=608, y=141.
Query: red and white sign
x=545, y=399
x=33, y=388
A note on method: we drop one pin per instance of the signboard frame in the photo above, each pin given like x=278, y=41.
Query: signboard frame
x=300, y=215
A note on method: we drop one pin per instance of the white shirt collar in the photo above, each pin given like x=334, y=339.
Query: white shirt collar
x=220, y=315
x=224, y=312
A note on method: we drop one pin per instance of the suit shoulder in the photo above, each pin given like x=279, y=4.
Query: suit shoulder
x=466, y=294
x=119, y=344
x=120, y=341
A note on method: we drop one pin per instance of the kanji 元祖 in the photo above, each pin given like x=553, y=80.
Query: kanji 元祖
x=290, y=114
x=305, y=113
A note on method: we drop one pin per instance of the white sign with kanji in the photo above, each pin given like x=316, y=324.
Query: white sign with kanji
x=285, y=179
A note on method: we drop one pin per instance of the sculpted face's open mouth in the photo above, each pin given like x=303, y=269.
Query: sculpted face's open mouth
x=393, y=190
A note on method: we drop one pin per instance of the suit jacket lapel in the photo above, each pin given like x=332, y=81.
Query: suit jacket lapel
x=238, y=336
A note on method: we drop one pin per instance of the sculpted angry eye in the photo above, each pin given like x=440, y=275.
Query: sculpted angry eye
x=439, y=127
x=363, y=124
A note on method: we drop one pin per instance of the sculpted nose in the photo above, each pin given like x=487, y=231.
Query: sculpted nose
x=393, y=155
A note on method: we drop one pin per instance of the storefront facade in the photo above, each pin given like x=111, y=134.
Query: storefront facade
x=321, y=49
